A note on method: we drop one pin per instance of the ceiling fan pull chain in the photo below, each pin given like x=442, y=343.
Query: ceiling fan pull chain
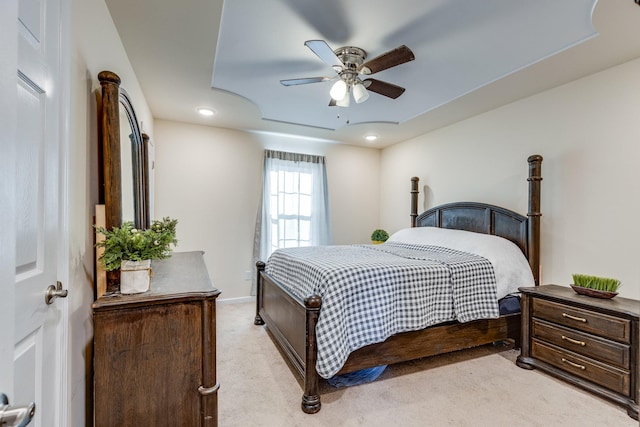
x=347, y=114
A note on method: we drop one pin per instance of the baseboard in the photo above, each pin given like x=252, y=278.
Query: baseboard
x=238, y=300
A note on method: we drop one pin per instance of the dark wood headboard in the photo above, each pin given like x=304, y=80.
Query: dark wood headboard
x=524, y=231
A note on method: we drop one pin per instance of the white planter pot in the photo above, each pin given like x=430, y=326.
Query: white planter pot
x=135, y=276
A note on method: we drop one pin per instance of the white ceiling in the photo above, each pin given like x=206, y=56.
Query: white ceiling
x=470, y=57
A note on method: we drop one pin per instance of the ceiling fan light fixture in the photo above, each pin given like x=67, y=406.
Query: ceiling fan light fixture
x=360, y=93
x=338, y=90
x=345, y=101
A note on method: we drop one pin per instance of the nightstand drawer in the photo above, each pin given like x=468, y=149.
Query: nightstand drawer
x=614, y=379
x=585, y=344
x=588, y=321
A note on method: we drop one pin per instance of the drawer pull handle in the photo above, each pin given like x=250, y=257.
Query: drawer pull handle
x=575, y=365
x=579, y=319
x=572, y=341
x=205, y=391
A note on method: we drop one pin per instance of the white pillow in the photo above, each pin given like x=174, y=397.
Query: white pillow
x=510, y=266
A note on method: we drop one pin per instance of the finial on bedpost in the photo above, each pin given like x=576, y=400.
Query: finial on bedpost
x=414, y=200
x=534, y=214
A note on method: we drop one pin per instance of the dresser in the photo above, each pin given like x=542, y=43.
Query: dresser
x=154, y=353
x=589, y=342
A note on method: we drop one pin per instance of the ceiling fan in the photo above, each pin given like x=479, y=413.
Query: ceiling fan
x=349, y=64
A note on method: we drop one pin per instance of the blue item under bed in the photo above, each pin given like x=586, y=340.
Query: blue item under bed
x=358, y=377
x=509, y=305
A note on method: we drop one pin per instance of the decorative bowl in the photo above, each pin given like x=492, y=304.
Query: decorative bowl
x=593, y=292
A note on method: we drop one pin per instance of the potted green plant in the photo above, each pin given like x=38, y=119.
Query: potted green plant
x=379, y=236
x=593, y=286
x=131, y=250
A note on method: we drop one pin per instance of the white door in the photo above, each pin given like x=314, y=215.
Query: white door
x=37, y=367
x=8, y=64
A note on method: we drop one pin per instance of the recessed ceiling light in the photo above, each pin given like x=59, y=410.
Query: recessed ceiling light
x=370, y=138
x=206, y=111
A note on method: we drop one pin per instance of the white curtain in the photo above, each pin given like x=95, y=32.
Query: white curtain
x=295, y=204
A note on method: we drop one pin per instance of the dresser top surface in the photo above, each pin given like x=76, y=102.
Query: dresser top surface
x=565, y=294
x=183, y=275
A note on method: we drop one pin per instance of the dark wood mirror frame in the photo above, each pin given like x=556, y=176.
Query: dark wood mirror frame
x=110, y=102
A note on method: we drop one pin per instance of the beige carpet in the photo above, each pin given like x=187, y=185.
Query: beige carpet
x=479, y=387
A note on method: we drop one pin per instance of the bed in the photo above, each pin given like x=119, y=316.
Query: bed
x=292, y=319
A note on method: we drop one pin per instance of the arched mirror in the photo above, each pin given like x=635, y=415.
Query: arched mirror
x=124, y=177
x=133, y=159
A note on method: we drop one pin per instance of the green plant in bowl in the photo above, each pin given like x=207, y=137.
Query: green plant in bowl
x=379, y=236
x=598, y=283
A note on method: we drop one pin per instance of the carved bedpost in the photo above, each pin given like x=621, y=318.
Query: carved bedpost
x=311, y=397
x=414, y=200
x=534, y=214
x=260, y=268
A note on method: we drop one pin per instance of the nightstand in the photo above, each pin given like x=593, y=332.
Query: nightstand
x=589, y=342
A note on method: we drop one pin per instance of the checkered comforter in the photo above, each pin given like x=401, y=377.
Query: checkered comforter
x=370, y=292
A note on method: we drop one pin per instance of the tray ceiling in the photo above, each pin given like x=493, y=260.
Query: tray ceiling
x=231, y=56
x=459, y=47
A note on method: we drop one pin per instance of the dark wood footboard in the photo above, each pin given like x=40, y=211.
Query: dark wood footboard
x=283, y=315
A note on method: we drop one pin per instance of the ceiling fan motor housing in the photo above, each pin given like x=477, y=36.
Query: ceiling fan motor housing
x=352, y=57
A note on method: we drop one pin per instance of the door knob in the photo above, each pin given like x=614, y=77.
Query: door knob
x=18, y=416
x=54, y=292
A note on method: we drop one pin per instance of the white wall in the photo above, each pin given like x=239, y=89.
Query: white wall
x=589, y=135
x=96, y=46
x=210, y=180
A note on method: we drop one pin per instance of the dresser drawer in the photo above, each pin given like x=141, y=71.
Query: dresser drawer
x=584, y=320
x=609, y=377
x=585, y=344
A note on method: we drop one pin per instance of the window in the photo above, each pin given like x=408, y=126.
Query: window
x=295, y=204
x=290, y=196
